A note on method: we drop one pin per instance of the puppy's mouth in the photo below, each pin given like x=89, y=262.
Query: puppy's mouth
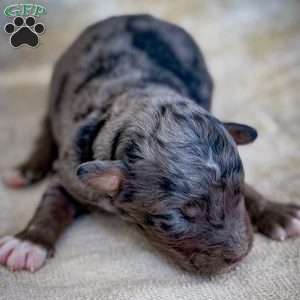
x=234, y=260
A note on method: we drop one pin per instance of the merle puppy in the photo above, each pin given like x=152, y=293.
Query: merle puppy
x=129, y=131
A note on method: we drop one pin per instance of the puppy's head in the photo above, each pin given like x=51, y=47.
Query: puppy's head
x=178, y=175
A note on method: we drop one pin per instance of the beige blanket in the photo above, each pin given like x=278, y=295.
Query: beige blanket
x=253, y=51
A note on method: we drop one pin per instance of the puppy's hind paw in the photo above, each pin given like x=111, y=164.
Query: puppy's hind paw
x=14, y=179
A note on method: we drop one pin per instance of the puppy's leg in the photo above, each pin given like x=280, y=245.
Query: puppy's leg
x=29, y=249
x=275, y=220
x=39, y=162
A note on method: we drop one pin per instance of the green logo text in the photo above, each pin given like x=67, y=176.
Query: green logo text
x=15, y=10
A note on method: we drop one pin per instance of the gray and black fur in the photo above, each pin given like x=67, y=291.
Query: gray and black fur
x=132, y=97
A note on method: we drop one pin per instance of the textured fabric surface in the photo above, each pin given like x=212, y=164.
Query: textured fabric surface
x=253, y=52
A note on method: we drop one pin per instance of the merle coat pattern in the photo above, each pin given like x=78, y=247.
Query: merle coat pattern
x=130, y=131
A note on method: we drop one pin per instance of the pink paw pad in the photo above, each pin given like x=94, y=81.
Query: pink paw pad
x=14, y=179
x=293, y=228
x=290, y=229
x=20, y=255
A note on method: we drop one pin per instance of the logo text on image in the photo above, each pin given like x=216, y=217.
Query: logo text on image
x=24, y=30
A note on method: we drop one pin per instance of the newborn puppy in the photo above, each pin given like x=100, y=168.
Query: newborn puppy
x=129, y=131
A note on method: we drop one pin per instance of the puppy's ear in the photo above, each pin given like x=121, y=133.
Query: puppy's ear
x=242, y=134
x=103, y=176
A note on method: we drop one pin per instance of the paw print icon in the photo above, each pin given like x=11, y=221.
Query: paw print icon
x=24, y=31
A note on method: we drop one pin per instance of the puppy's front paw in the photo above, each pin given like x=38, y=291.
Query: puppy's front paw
x=20, y=255
x=279, y=221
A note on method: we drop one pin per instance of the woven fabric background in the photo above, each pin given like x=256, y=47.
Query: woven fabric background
x=253, y=52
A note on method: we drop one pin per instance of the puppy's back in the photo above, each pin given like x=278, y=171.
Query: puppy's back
x=137, y=46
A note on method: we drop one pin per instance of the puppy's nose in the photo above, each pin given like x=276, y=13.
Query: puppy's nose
x=233, y=260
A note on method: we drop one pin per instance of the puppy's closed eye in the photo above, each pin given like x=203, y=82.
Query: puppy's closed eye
x=194, y=209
